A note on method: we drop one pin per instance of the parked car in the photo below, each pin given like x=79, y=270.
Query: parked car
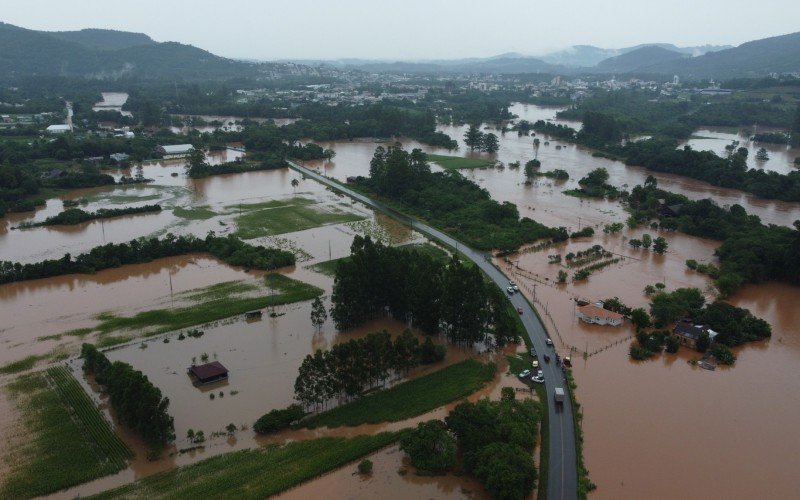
x=510, y=290
x=538, y=379
x=515, y=287
x=524, y=373
x=519, y=310
x=535, y=364
x=548, y=341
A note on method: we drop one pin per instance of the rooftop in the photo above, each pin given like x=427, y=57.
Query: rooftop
x=597, y=311
x=208, y=370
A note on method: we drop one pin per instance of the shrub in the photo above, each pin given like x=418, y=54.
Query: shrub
x=276, y=420
x=365, y=467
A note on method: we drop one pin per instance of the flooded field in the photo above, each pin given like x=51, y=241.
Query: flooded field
x=707, y=429
x=781, y=156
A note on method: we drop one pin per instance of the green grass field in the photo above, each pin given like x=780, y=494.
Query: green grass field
x=67, y=441
x=256, y=473
x=196, y=213
x=213, y=303
x=20, y=365
x=409, y=399
x=459, y=162
x=279, y=217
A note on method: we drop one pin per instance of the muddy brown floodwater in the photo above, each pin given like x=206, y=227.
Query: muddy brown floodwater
x=662, y=428
x=656, y=429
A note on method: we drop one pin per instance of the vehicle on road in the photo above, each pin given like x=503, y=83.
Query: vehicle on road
x=538, y=379
x=515, y=287
x=548, y=341
x=546, y=358
x=558, y=395
x=519, y=310
x=510, y=290
x=524, y=373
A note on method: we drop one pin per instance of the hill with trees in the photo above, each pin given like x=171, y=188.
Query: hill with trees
x=635, y=59
x=108, y=54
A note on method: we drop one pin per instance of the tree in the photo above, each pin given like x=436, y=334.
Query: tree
x=365, y=467
x=506, y=471
x=531, y=166
x=490, y=143
x=430, y=447
x=597, y=177
x=640, y=318
x=473, y=137
x=647, y=240
x=635, y=243
x=762, y=155
x=318, y=313
x=660, y=245
x=562, y=276
x=535, y=147
x=295, y=183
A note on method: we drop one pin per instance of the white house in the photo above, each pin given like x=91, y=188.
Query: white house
x=175, y=150
x=592, y=313
x=58, y=129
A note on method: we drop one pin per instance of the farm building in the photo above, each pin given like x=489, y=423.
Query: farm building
x=174, y=150
x=593, y=313
x=209, y=372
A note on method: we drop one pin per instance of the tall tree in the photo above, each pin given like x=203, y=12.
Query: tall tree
x=473, y=137
x=490, y=143
x=318, y=313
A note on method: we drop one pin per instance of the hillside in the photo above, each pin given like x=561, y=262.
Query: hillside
x=780, y=54
x=39, y=53
x=103, y=39
x=638, y=58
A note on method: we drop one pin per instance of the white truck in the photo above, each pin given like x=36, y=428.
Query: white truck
x=558, y=395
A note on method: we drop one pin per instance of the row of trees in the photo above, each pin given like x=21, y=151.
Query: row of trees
x=349, y=368
x=226, y=248
x=412, y=286
x=72, y=216
x=138, y=403
x=450, y=202
x=476, y=139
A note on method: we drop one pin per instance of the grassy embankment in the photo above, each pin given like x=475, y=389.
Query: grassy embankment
x=194, y=213
x=409, y=399
x=66, y=442
x=256, y=473
x=328, y=267
x=212, y=303
x=284, y=216
x=459, y=162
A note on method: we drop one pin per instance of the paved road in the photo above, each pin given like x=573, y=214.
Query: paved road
x=563, y=476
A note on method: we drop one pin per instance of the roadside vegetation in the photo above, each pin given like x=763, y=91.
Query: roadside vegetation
x=66, y=440
x=449, y=201
x=256, y=473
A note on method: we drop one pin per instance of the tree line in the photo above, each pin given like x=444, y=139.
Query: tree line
x=138, y=403
x=449, y=201
x=349, y=368
x=229, y=249
x=435, y=296
x=73, y=216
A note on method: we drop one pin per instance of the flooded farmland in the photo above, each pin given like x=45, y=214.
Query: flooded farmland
x=707, y=430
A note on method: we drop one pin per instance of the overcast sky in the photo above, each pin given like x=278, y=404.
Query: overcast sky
x=413, y=29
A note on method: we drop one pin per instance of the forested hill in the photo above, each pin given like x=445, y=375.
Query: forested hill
x=107, y=54
x=103, y=39
x=779, y=54
x=635, y=59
